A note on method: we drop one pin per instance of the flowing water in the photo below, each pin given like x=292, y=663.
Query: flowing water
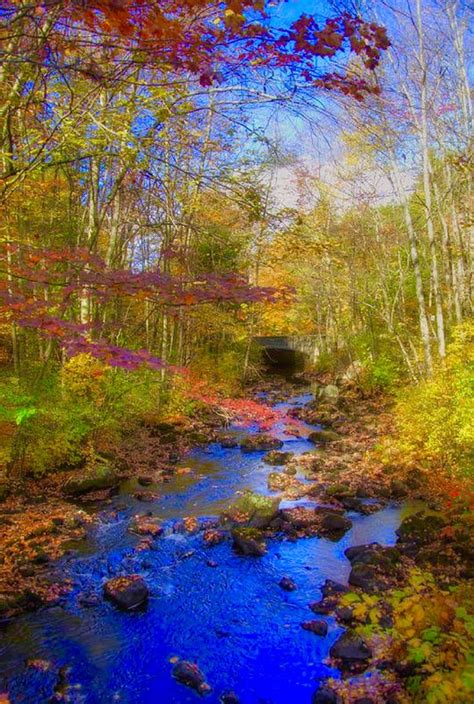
x=233, y=619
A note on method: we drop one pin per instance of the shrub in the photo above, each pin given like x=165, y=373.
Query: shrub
x=434, y=418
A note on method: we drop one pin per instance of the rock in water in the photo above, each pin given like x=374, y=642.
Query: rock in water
x=351, y=650
x=145, y=525
x=126, y=592
x=276, y=457
x=278, y=481
x=249, y=541
x=287, y=584
x=189, y=674
x=319, y=628
x=335, y=524
x=229, y=698
x=251, y=509
x=325, y=695
x=259, y=442
x=330, y=587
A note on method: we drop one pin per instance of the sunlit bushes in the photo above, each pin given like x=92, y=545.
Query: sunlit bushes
x=434, y=419
x=85, y=409
x=430, y=632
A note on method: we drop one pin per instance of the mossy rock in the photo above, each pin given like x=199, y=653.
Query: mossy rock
x=249, y=541
x=323, y=436
x=252, y=509
x=278, y=481
x=100, y=477
x=421, y=528
x=339, y=491
x=276, y=457
x=260, y=442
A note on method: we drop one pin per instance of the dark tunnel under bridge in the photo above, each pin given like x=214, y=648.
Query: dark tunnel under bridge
x=287, y=353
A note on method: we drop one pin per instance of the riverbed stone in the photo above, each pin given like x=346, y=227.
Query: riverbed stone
x=260, y=442
x=213, y=537
x=323, y=436
x=420, y=529
x=339, y=491
x=344, y=614
x=366, y=578
x=330, y=588
x=351, y=650
x=229, y=698
x=254, y=510
x=229, y=441
x=189, y=674
x=324, y=607
x=326, y=695
x=319, y=628
x=287, y=584
x=398, y=489
x=277, y=457
x=335, y=524
x=249, y=541
x=126, y=592
x=278, y=481
x=94, y=479
x=330, y=393
x=146, y=525
x=300, y=520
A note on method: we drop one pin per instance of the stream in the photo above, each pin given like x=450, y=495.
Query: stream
x=233, y=618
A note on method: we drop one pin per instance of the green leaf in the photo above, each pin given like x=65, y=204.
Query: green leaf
x=23, y=414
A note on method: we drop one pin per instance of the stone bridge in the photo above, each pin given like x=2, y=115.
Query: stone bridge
x=289, y=350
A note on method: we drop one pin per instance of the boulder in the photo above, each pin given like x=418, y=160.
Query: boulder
x=339, y=491
x=95, y=479
x=229, y=698
x=301, y=520
x=421, y=528
x=334, y=524
x=126, y=592
x=352, y=503
x=330, y=393
x=213, y=537
x=351, y=650
x=189, y=674
x=291, y=469
x=229, y=441
x=398, y=489
x=260, y=442
x=344, y=614
x=145, y=525
x=287, y=584
x=330, y=588
x=367, y=578
x=276, y=457
x=249, y=541
x=372, y=566
x=324, y=607
x=319, y=628
x=278, y=481
x=251, y=509
x=145, y=480
x=325, y=695
x=373, y=554
x=323, y=436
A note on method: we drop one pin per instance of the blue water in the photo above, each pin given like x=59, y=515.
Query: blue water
x=233, y=619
